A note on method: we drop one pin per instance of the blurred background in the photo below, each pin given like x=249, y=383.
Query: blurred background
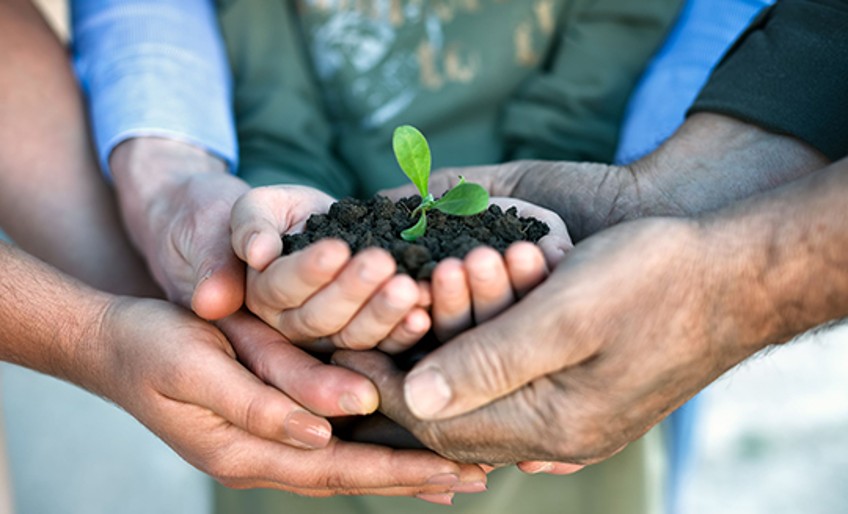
x=771, y=438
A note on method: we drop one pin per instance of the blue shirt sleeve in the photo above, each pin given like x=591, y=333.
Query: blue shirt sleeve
x=702, y=34
x=154, y=68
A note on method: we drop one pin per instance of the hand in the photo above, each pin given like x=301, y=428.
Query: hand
x=178, y=375
x=586, y=196
x=710, y=162
x=625, y=330
x=321, y=292
x=482, y=285
x=176, y=202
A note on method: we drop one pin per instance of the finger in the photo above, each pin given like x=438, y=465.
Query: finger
x=219, y=278
x=526, y=425
x=404, y=336
x=378, y=318
x=488, y=280
x=451, y=299
x=554, y=249
x=322, y=389
x=549, y=468
x=242, y=399
x=261, y=215
x=557, y=243
x=289, y=281
x=350, y=468
x=425, y=295
x=525, y=264
x=486, y=437
x=487, y=362
x=334, y=306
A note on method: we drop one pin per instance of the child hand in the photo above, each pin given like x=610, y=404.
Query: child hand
x=321, y=297
x=470, y=291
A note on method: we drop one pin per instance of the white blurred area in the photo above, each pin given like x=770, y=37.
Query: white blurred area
x=773, y=434
x=772, y=438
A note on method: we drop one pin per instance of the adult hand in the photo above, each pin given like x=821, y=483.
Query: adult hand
x=321, y=296
x=710, y=162
x=178, y=375
x=176, y=202
x=624, y=331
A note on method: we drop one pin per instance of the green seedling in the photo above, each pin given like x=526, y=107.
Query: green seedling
x=413, y=155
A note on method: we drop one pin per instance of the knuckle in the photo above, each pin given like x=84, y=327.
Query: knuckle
x=259, y=419
x=491, y=370
x=312, y=323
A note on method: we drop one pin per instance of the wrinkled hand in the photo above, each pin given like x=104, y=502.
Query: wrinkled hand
x=322, y=291
x=178, y=375
x=587, y=196
x=176, y=202
x=625, y=330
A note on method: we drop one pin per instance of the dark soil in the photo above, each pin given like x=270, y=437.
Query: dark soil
x=379, y=222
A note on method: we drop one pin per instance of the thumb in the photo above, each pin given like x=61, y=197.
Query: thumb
x=261, y=215
x=491, y=360
x=218, y=276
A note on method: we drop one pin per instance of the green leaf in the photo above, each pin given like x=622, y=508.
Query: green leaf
x=464, y=199
x=417, y=230
x=413, y=156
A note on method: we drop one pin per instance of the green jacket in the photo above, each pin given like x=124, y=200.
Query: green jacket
x=318, y=91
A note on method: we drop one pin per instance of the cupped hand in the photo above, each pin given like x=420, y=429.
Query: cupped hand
x=321, y=297
x=179, y=376
x=176, y=201
x=484, y=283
x=624, y=331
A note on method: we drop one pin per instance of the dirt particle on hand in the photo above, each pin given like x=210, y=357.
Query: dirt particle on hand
x=379, y=222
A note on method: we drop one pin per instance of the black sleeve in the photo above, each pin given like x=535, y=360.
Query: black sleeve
x=788, y=73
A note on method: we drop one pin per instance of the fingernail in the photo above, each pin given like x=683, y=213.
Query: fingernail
x=427, y=392
x=307, y=429
x=369, y=274
x=444, y=479
x=541, y=467
x=469, y=488
x=351, y=404
x=438, y=499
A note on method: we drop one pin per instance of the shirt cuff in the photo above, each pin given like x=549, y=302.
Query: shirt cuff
x=154, y=68
x=787, y=74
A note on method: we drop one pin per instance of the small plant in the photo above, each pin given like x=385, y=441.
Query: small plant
x=413, y=155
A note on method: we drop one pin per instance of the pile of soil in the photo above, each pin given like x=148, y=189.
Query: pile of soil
x=379, y=222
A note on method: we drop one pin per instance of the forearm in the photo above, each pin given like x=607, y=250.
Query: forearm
x=709, y=163
x=50, y=322
x=784, y=251
x=53, y=201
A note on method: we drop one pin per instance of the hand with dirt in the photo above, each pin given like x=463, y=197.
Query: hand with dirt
x=637, y=320
x=179, y=376
x=176, y=201
x=483, y=284
x=321, y=297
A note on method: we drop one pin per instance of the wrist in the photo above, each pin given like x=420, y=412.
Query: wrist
x=147, y=165
x=715, y=160
x=147, y=171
